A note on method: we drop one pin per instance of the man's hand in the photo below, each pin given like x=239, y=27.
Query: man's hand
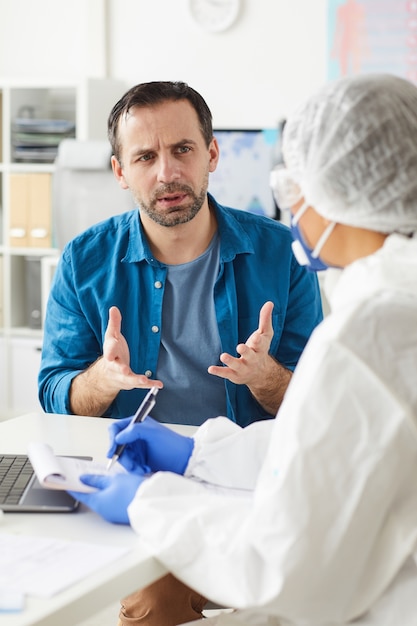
x=93, y=390
x=254, y=354
x=255, y=367
x=116, y=358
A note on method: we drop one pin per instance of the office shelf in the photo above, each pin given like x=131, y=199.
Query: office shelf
x=34, y=116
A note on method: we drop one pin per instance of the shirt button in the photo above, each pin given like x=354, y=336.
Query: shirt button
x=157, y=284
x=155, y=329
x=148, y=373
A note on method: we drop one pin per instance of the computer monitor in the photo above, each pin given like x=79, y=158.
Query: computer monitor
x=241, y=179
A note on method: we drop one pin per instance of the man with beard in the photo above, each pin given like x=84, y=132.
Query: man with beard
x=205, y=302
x=166, y=295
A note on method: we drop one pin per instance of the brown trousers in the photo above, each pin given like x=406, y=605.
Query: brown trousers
x=167, y=602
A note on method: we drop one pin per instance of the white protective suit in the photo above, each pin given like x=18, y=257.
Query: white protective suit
x=319, y=526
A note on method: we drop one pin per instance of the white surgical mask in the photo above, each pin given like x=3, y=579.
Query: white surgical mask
x=302, y=251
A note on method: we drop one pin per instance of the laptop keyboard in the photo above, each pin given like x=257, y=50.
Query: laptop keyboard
x=15, y=474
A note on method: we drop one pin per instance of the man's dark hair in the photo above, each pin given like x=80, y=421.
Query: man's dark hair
x=148, y=94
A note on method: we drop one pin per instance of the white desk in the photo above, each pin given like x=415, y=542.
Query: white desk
x=75, y=435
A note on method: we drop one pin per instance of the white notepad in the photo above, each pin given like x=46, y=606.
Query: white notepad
x=61, y=472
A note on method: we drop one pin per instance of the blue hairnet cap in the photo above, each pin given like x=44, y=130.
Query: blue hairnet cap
x=351, y=151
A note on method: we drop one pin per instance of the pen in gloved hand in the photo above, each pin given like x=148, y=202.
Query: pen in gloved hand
x=143, y=411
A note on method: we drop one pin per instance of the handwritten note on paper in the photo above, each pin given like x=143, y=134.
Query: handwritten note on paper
x=42, y=567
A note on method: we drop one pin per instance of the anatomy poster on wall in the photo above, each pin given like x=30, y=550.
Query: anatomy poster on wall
x=372, y=36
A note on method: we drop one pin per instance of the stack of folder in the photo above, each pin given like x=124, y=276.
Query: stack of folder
x=37, y=140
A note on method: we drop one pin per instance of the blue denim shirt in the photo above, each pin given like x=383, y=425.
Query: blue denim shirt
x=111, y=264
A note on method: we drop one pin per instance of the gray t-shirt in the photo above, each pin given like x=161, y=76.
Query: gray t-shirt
x=190, y=342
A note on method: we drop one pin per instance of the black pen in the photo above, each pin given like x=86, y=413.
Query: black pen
x=143, y=411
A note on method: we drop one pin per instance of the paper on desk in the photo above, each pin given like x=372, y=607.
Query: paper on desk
x=11, y=600
x=42, y=567
x=59, y=472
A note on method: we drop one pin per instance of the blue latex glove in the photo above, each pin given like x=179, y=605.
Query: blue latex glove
x=113, y=495
x=150, y=446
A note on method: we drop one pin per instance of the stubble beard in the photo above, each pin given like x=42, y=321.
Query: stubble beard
x=175, y=215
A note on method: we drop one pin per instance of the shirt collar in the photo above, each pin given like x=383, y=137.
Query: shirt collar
x=138, y=247
x=234, y=239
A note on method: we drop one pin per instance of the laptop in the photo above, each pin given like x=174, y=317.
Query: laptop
x=21, y=492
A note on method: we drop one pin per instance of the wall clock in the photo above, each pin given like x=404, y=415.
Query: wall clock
x=214, y=15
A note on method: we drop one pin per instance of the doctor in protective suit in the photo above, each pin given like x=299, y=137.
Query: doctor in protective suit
x=310, y=519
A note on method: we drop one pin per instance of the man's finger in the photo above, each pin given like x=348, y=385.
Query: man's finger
x=265, y=319
x=114, y=325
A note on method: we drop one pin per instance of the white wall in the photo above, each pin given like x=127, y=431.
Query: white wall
x=251, y=75
x=51, y=39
